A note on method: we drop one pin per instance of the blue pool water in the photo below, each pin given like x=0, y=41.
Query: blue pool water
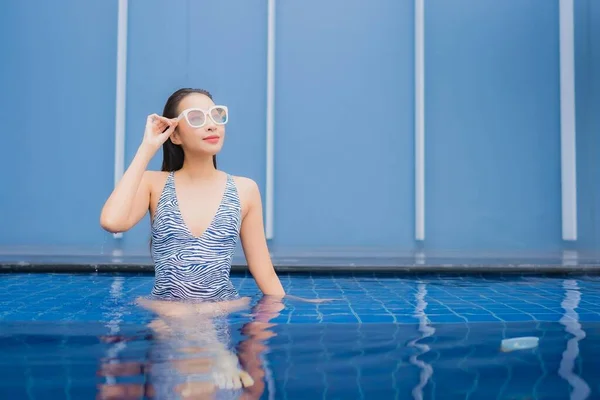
x=383, y=337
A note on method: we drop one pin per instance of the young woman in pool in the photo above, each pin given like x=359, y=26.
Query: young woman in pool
x=197, y=211
x=197, y=214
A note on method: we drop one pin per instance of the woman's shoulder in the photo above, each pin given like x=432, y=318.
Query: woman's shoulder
x=155, y=176
x=244, y=184
x=247, y=189
x=155, y=180
x=248, y=192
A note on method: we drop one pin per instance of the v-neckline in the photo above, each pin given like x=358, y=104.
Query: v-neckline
x=212, y=221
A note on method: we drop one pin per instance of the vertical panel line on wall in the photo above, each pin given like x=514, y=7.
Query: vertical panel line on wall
x=419, y=120
x=270, y=119
x=120, y=96
x=567, y=121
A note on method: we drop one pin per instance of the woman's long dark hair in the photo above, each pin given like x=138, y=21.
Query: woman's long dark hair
x=173, y=153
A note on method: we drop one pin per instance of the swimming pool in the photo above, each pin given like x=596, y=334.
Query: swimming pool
x=387, y=336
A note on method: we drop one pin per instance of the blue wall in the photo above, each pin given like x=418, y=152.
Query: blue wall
x=344, y=169
x=493, y=133
x=57, y=79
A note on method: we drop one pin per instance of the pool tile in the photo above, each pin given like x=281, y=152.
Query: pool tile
x=346, y=319
x=370, y=299
x=444, y=318
x=376, y=318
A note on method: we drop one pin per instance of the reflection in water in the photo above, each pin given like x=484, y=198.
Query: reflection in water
x=570, y=320
x=426, y=330
x=115, y=316
x=309, y=361
x=192, y=355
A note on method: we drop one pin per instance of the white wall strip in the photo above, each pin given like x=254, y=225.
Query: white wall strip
x=270, y=119
x=419, y=120
x=121, y=88
x=567, y=121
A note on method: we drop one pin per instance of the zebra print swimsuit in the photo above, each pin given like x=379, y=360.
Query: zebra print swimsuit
x=189, y=267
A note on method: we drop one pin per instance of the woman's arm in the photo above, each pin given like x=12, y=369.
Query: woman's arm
x=254, y=242
x=130, y=200
x=255, y=246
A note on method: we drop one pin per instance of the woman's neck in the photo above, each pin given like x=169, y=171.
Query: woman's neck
x=199, y=168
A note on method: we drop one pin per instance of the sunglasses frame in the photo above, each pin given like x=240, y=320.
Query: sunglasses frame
x=207, y=114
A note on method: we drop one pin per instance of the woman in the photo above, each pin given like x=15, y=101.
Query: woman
x=197, y=214
x=197, y=211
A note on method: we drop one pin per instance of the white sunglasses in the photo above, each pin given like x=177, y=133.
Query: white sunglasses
x=197, y=117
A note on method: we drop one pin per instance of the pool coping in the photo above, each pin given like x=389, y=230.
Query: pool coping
x=76, y=264
x=22, y=259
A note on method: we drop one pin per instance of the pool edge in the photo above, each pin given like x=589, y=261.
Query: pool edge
x=366, y=268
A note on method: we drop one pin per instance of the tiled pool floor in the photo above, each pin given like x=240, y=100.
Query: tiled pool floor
x=358, y=298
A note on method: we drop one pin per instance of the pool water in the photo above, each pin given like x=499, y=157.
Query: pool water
x=383, y=337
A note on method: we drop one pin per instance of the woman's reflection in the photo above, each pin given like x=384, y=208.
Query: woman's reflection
x=191, y=354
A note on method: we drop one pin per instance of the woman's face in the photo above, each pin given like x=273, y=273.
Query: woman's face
x=201, y=129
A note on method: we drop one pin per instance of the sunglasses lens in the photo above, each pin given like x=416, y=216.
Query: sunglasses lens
x=219, y=115
x=196, y=118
